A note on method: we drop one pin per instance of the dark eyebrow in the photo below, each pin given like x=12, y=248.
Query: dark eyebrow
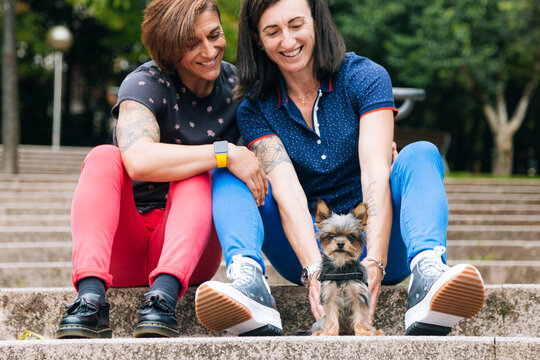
x=214, y=29
x=290, y=21
x=211, y=31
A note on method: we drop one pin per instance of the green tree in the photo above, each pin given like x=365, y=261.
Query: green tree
x=126, y=16
x=10, y=97
x=478, y=58
x=489, y=46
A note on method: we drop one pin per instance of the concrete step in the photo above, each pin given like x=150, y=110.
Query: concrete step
x=509, y=310
x=60, y=251
x=63, y=207
x=35, y=159
x=35, y=220
x=34, y=233
x=496, y=209
x=494, y=219
x=31, y=233
x=31, y=252
x=22, y=180
x=36, y=209
x=58, y=274
x=289, y=347
x=491, y=181
x=457, y=202
x=493, y=232
x=38, y=186
x=14, y=206
x=37, y=196
x=517, y=188
x=504, y=198
x=493, y=250
x=468, y=219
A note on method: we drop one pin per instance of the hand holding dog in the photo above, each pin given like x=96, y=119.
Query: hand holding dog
x=374, y=285
x=315, y=297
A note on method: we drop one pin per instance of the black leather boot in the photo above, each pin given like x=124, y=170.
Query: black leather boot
x=85, y=318
x=156, y=316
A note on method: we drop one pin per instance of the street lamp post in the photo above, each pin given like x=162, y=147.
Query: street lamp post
x=60, y=40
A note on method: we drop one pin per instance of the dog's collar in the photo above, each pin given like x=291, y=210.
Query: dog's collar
x=357, y=275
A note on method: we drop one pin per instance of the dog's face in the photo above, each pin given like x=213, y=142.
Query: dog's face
x=341, y=236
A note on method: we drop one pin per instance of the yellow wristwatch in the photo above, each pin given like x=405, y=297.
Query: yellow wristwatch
x=221, y=150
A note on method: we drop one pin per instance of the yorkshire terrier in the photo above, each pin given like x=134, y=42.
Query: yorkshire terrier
x=344, y=291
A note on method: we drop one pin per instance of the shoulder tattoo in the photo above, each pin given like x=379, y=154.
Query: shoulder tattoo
x=135, y=122
x=271, y=152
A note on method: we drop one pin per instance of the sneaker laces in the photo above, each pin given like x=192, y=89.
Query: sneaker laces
x=433, y=265
x=240, y=272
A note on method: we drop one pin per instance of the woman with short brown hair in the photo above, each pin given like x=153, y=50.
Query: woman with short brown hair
x=142, y=210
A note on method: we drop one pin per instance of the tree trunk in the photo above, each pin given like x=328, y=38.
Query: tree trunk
x=503, y=128
x=10, y=98
x=503, y=160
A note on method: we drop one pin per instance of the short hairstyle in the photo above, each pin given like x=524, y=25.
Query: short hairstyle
x=256, y=71
x=167, y=27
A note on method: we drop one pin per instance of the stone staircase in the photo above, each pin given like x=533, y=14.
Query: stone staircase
x=493, y=224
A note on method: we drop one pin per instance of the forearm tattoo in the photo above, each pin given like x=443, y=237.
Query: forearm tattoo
x=369, y=201
x=271, y=152
x=135, y=122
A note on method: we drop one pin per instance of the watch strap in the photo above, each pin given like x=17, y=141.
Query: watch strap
x=221, y=160
x=308, y=271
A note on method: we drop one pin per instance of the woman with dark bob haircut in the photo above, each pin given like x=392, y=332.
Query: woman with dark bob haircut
x=321, y=122
x=142, y=210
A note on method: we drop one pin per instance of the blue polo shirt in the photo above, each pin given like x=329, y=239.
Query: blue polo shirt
x=326, y=157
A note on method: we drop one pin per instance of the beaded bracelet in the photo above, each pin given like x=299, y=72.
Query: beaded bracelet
x=378, y=263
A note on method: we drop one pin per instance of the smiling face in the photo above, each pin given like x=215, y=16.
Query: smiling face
x=202, y=60
x=286, y=30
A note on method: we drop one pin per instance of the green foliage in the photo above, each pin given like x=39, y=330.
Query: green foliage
x=451, y=48
x=482, y=43
x=229, y=10
x=459, y=51
x=115, y=13
x=125, y=18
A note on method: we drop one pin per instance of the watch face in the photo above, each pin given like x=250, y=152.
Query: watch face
x=304, y=277
x=221, y=147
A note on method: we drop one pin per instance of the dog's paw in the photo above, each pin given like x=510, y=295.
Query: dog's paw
x=323, y=333
x=367, y=331
x=363, y=332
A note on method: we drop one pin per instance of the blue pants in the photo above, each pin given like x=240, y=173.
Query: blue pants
x=420, y=216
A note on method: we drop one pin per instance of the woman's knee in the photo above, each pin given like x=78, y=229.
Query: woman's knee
x=223, y=178
x=104, y=158
x=198, y=186
x=420, y=153
x=102, y=152
x=420, y=149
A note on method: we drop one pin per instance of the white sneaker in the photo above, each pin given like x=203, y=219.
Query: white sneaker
x=440, y=296
x=244, y=307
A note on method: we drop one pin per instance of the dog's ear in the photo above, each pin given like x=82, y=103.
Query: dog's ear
x=360, y=212
x=323, y=212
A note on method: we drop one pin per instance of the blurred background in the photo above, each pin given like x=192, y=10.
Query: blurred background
x=478, y=61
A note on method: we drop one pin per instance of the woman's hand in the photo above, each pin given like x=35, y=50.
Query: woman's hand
x=394, y=152
x=245, y=165
x=374, y=283
x=315, y=296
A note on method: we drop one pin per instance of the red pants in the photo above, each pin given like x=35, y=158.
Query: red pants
x=115, y=243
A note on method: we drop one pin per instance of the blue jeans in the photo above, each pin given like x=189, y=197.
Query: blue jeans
x=420, y=216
